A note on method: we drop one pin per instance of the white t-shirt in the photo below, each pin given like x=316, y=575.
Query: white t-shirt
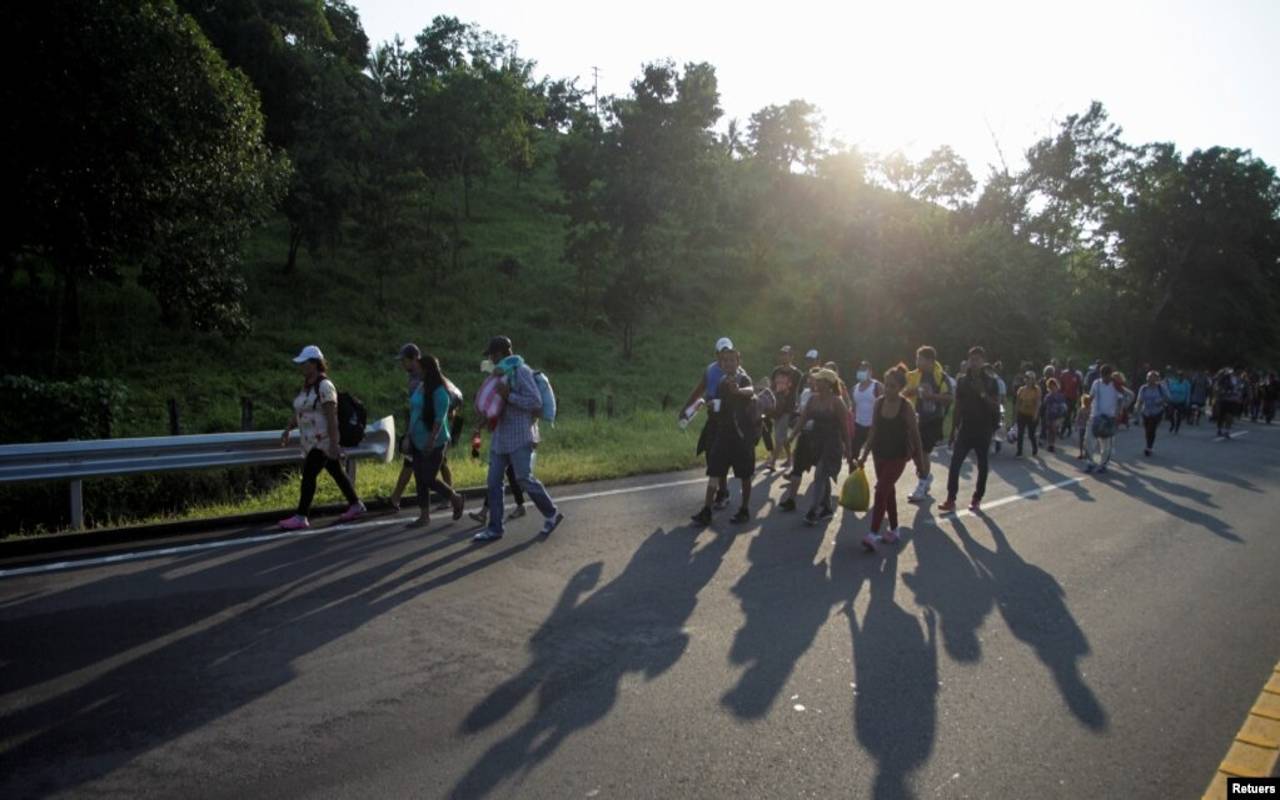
x=313, y=428
x=1106, y=399
x=864, y=403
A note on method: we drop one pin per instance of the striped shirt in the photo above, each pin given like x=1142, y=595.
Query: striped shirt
x=518, y=425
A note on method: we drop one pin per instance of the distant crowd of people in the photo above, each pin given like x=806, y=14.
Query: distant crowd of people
x=810, y=419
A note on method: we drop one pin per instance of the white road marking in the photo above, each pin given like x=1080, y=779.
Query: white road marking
x=120, y=558
x=1234, y=435
x=1027, y=495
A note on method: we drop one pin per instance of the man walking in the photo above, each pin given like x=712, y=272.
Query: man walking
x=930, y=392
x=785, y=382
x=977, y=397
x=515, y=439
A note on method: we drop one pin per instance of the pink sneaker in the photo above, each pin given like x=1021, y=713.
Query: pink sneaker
x=352, y=513
x=295, y=523
x=890, y=536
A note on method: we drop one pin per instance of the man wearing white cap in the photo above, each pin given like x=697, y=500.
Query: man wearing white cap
x=811, y=361
x=315, y=415
x=722, y=387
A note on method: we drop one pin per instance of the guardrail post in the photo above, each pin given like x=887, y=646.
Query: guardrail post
x=246, y=413
x=77, y=505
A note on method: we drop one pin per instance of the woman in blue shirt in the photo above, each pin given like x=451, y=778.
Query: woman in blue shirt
x=428, y=437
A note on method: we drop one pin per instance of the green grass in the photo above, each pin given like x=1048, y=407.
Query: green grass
x=574, y=451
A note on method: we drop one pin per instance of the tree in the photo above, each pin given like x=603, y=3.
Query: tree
x=144, y=151
x=786, y=137
x=941, y=177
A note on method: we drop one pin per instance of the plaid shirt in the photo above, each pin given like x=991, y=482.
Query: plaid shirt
x=518, y=427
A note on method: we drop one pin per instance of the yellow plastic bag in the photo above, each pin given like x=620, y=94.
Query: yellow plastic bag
x=855, y=495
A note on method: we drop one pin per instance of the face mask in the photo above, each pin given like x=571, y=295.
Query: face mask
x=486, y=366
x=862, y=375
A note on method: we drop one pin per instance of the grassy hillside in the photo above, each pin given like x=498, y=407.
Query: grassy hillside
x=332, y=301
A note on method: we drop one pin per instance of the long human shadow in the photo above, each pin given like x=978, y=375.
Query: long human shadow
x=80, y=734
x=786, y=598
x=948, y=582
x=588, y=644
x=1143, y=489
x=1033, y=605
x=895, y=670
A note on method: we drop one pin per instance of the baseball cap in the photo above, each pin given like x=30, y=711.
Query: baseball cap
x=309, y=352
x=786, y=348
x=724, y=343
x=410, y=350
x=498, y=344
x=812, y=354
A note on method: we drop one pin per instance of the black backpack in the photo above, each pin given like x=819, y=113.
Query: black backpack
x=352, y=416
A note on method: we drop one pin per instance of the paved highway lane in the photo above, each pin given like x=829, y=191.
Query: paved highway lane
x=1101, y=639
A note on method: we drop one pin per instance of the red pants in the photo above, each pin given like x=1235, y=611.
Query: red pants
x=887, y=473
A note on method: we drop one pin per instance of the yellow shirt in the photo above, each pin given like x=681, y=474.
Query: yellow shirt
x=1029, y=401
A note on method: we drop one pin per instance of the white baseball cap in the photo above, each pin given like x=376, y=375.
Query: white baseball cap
x=725, y=343
x=812, y=354
x=309, y=352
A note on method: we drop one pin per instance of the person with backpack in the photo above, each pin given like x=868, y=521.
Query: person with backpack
x=1153, y=404
x=977, y=396
x=1055, y=408
x=828, y=412
x=894, y=440
x=731, y=430
x=1107, y=399
x=1027, y=408
x=929, y=391
x=515, y=438
x=1201, y=387
x=315, y=415
x=805, y=447
x=429, y=436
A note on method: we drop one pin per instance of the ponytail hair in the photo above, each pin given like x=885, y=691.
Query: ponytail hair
x=897, y=374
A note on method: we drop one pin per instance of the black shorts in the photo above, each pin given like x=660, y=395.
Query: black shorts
x=731, y=454
x=930, y=433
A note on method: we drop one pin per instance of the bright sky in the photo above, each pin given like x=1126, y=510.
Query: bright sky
x=913, y=75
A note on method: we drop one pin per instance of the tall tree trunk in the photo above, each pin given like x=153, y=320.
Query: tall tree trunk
x=295, y=243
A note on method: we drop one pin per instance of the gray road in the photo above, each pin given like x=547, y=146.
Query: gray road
x=1103, y=639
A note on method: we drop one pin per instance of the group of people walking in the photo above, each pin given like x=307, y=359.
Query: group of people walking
x=434, y=423
x=810, y=419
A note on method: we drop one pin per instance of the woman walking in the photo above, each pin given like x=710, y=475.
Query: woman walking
x=1227, y=392
x=1028, y=407
x=894, y=440
x=315, y=415
x=830, y=440
x=804, y=453
x=1153, y=402
x=1055, y=409
x=428, y=436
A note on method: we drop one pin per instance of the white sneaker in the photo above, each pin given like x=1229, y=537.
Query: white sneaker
x=921, y=491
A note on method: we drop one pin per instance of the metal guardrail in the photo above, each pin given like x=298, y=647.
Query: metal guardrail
x=101, y=458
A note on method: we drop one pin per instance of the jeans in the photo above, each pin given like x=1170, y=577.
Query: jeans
x=888, y=471
x=521, y=461
x=318, y=460
x=980, y=445
x=1027, y=425
x=1103, y=448
x=426, y=467
x=517, y=493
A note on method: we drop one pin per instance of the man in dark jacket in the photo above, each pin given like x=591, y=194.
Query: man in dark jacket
x=977, y=401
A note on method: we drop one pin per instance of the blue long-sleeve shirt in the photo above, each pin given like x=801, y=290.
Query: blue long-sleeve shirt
x=518, y=425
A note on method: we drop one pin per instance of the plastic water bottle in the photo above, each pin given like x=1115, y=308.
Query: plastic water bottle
x=689, y=413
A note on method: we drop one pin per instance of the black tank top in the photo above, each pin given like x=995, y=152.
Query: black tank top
x=891, y=434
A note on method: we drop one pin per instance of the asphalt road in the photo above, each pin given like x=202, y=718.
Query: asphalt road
x=1103, y=639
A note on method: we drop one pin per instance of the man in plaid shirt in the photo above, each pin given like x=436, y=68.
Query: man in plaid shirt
x=514, y=442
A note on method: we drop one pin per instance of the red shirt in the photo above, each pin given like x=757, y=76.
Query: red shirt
x=1070, y=383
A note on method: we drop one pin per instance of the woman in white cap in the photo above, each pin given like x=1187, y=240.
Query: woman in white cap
x=315, y=415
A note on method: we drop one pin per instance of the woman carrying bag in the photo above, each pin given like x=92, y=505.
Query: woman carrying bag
x=428, y=437
x=894, y=440
x=315, y=415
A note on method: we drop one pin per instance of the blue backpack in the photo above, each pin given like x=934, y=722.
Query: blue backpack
x=547, y=394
